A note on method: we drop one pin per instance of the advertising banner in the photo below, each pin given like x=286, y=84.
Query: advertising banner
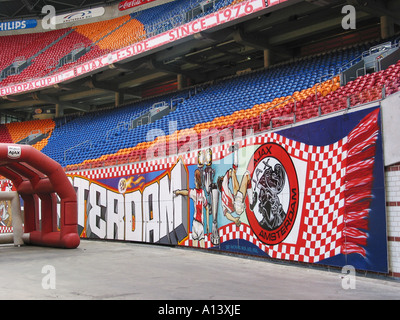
x=274, y=2
x=313, y=193
x=129, y=4
x=80, y=15
x=217, y=18
x=17, y=25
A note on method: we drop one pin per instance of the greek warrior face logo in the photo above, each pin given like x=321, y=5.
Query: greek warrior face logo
x=274, y=180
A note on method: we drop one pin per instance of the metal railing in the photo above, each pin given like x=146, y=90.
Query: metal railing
x=179, y=146
x=77, y=146
x=275, y=106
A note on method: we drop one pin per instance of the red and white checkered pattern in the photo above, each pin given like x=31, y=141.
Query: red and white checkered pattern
x=322, y=219
x=4, y=229
x=321, y=224
x=160, y=164
x=324, y=201
x=323, y=210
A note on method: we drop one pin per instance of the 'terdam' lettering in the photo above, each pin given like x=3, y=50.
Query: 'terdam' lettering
x=151, y=214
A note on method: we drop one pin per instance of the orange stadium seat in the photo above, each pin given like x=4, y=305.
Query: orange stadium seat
x=20, y=130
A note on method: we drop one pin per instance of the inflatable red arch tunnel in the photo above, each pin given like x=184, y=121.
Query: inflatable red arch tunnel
x=36, y=176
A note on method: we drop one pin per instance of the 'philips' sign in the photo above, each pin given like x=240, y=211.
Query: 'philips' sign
x=17, y=25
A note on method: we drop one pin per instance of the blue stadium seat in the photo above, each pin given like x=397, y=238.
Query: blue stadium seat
x=94, y=135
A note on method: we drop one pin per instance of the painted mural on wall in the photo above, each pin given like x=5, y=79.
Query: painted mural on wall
x=312, y=193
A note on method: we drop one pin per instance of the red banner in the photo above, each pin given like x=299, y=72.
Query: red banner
x=129, y=4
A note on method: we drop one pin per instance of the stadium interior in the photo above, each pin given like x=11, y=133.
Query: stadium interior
x=290, y=63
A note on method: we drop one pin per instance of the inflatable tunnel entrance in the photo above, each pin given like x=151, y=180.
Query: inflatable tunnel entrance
x=39, y=179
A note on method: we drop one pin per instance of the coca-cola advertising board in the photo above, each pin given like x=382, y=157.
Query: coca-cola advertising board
x=129, y=4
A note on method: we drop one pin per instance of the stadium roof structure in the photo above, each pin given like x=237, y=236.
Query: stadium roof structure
x=13, y=9
x=279, y=33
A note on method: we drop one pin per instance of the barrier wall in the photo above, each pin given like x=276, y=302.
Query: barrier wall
x=312, y=193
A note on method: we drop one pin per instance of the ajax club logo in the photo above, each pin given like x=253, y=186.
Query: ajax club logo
x=274, y=180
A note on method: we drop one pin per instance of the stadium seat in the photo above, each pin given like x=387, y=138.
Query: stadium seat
x=254, y=100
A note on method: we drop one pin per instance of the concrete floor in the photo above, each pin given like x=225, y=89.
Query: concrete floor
x=116, y=270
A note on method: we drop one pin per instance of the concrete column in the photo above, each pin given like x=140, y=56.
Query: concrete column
x=267, y=58
x=180, y=80
x=59, y=110
x=387, y=27
x=119, y=98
